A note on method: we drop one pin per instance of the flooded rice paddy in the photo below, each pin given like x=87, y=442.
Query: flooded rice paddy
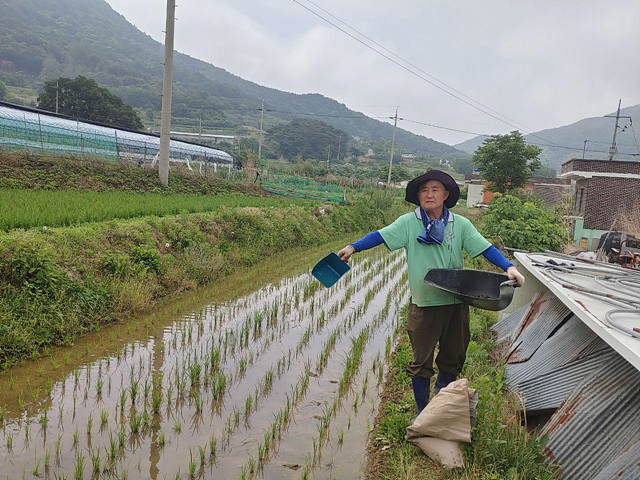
x=280, y=383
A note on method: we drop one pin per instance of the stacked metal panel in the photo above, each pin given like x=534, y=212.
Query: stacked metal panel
x=557, y=364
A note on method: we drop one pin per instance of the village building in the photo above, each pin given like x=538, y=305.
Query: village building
x=603, y=190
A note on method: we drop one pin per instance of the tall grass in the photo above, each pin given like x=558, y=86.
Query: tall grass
x=53, y=208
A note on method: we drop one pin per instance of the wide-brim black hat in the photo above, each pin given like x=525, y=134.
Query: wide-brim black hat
x=447, y=180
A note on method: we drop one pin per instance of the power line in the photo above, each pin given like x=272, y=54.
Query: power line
x=362, y=117
x=415, y=73
x=414, y=66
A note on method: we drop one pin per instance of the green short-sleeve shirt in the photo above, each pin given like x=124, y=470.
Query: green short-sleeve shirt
x=459, y=234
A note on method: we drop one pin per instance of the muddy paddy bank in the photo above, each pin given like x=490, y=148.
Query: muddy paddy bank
x=261, y=377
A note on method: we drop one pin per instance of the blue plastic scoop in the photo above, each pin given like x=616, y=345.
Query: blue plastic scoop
x=329, y=270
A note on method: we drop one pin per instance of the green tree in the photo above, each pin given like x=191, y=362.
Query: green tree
x=3, y=91
x=525, y=223
x=83, y=98
x=398, y=173
x=463, y=165
x=308, y=138
x=506, y=161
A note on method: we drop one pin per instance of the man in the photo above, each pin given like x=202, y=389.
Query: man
x=433, y=237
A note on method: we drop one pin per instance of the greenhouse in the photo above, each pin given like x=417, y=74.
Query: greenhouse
x=24, y=128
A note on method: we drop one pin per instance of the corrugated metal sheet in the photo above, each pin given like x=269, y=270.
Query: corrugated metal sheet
x=507, y=327
x=566, y=345
x=547, y=391
x=597, y=423
x=545, y=315
x=625, y=467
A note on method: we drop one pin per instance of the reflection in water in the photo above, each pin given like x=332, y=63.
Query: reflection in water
x=271, y=384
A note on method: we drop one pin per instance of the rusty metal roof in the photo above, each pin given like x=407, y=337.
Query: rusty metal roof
x=545, y=315
x=571, y=341
x=547, y=391
x=568, y=357
x=508, y=326
x=597, y=423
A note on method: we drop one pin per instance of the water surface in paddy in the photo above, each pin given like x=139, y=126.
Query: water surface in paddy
x=278, y=383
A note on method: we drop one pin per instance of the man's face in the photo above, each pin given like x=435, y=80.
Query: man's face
x=432, y=195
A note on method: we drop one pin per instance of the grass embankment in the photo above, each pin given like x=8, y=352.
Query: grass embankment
x=35, y=172
x=59, y=283
x=501, y=447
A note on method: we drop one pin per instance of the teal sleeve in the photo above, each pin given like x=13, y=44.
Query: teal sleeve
x=395, y=235
x=472, y=241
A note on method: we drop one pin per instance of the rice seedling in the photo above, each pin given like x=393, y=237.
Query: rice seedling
x=340, y=437
x=113, y=448
x=145, y=420
x=123, y=399
x=213, y=442
x=99, y=385
x=243, y=472
x=248, y=404
x=9, y=442
x=89, y=424
x=177, y=426
x=192, y=465
x=198, y=403
x=135, y=421
x=36, y=469
x=95, y=461
x=133, y=390
x=44, y=419
x=58, y=442
x=202, y=452
x=78, y=471
x=104, y=417
x=122, y=436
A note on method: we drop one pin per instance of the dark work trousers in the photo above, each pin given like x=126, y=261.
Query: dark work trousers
x=447, y=325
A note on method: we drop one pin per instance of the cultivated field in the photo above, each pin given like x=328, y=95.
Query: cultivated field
x=23, y=208
x=281, y=383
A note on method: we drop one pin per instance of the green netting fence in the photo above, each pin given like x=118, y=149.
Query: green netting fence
x=298, y=187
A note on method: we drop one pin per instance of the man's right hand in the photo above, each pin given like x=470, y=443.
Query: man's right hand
x=346, y=252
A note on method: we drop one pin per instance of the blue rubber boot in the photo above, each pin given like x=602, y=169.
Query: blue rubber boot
x=443, y=380
x=421, y=387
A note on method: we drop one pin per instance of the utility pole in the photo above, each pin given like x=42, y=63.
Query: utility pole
x=200, y=130
x=167, y=79
x=393, y=144
x=339, y=141
x=328, y=153
x=57, y=96
x=261, y=133
x=613, y=150
x=584, y=148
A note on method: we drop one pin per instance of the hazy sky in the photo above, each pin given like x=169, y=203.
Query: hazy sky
x=543, y=63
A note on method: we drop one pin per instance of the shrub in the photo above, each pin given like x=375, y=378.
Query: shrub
x=524, y=223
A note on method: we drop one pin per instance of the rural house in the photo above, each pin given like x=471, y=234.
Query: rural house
x=603, y=190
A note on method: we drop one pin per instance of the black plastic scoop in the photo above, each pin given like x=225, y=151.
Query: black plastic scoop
x=487, y=290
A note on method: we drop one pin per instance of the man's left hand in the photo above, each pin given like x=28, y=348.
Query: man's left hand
x=514, y=274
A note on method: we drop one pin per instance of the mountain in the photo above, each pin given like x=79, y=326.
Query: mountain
x=597, y=130
x=43, y=39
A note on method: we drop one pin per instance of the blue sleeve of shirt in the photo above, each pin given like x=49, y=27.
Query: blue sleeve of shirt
x=493, y=255
x=370, y=240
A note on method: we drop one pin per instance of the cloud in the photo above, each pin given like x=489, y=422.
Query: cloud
x=542, y=63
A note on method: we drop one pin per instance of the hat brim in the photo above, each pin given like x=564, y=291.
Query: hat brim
x=447, y=180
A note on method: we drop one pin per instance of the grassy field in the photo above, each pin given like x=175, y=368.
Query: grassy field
x=501, y=447
x=26, y=209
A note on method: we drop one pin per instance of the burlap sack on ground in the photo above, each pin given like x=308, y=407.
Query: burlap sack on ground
x=444, y=423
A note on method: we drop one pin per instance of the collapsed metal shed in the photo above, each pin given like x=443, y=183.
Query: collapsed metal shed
x=572, y=343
